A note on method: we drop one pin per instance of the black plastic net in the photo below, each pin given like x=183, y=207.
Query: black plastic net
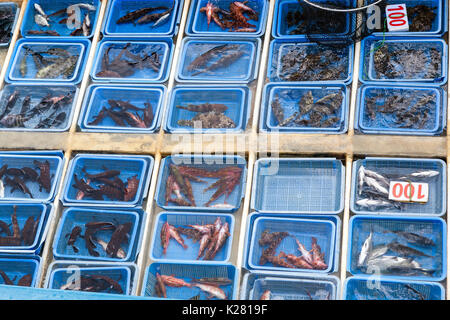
x=336, y=23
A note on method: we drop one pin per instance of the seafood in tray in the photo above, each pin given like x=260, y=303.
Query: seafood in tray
x=8, y=14
x=19, y=271
x=12, y=235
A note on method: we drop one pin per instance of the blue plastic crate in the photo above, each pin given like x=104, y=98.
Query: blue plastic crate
x=189, y=273
x=142, y=47
x=119, y=8
x=281, y=29
x=383, y=229
x=23, y=160
x=395, y=168
x=130, y=166
x=360, y=288
x=36, y=97
x=282, y=69
x=298, y=185
x=198, y=25
x=242, y=69
x=60, y=276
x=371, y=121
x=412, y=71
x=16, y=267
x=289, y=98
x=175, y=252
x=237, y=100
x=73, y=217
x=201, y=197
x=437, y=28
x=14, y=10
x=97, y=98
x=75, y=47
x=63, y=29
x=301, y=229
x=24, y=211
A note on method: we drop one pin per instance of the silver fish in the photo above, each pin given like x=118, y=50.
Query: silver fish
x=87, y=20
x=395, y=264
x=2, y=189
x=371, y=182
x=422, y=174
x=365, y=250
x=378, y=251
x=85, y=27
x=40, y=20
x=86, y=6
x=222, y=206
x=361, y=176
x=377, y=176
x=40, y=10
x=367, y=203
x=161, y=20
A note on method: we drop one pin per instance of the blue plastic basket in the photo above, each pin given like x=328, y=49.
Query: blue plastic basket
x=13, y=6
x=438, y=27
x=201, y=197
x=60, y=276
x=301, y=229
x=163, y=48
x=290, y=96
x=198, y=24
x=119, y=8
x=79, y=217
x=52, y=6
x=298, y=185
x=23, y=160
x=437, y=200
x=36, y=96
x=280, y=28
x=288, y=285
x=383, y=227
x=242, y=70
x=129, y=166
x=371, y=122
x=17, y=267
x=418, y=72
x=280, y=48
x=175, y=252
x=237, y=99
x=24, y=211
x=362, y=288
x=79, y=47
x=189, y=272
x=98, y=96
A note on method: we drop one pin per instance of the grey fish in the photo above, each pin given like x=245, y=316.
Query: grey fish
x=40, y=10
x=55, y=70
x=414, y=238
x=405, y=250
x=378, y=251
x=377, y=176
x=23, y=66
x=365, y=250
x=86, y=6
x=373, y=203
x=422, y=174
x=161, y=20
x=40, y=20
x=385, y=264
x=10, y=103
x=371, y=182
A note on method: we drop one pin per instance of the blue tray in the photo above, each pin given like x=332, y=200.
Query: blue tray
x=303, y=230
x=288, y=285
x=175, y=252
x=18, y=267
x=242, y=70
x=79, y=217
x=373, y=122
x=36, y=97
x=382, y=227
x=14, y=9
x=198, y=24
x=118, y=8
x=23, y=160
x=237, y=99
x=163, y=47
x=438, y=27
x=59, y=276
x=189, y=272
x=201, y=197
x=52, y=6
x=290, y=96
x=436, y=204
x=280, y=28
x=298, y=185
x=363, y=288
x=98, y=96
x=78, y=47
x=24, y=211
x=280, y=48
x=129, y=166
x=418, y=72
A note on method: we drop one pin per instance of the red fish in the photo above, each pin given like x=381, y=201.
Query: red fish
x=174, y=234
x=266, y=295
x=203, y=244
x=317, y=256
x=305, y=253
x=299, y=262
x=209, y=11
x=165, y=236
x=171, y=281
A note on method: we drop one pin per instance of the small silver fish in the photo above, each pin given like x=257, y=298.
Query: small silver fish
x=40, y=10
x=371, y=182
x=85, y=27
x=160, y=20
x=378, y=251
x=2, y=189
x=86, y=6
x=377, y=176
x=365, y=250
x=422, y=174
x=222, y=206
x=367, y=203
x=40, y=20
x=361, y=176
x=87, y=20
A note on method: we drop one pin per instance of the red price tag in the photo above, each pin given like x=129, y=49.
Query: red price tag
x=397, y=17
x=408, y=191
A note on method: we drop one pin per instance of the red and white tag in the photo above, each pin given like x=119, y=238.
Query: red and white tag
x=408, y=191
x=397, y=17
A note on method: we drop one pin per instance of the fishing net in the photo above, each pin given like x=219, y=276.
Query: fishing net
x=339, y=23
